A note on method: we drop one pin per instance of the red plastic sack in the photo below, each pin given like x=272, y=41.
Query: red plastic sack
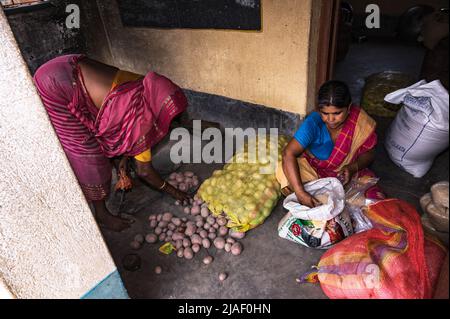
x=391, y=260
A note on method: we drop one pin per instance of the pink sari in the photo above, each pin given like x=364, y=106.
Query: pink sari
x=134, y=116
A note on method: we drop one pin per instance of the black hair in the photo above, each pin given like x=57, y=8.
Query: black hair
x=334, y=93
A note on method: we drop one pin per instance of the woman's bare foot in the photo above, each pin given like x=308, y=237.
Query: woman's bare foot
x=108, y=221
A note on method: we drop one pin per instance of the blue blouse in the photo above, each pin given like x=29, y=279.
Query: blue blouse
x=314, y=136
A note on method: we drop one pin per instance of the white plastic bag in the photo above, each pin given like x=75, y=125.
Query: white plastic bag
x=319, y=227
x=331, y=187
x=420, y=129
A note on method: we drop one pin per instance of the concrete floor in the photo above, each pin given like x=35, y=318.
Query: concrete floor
x=269, y=265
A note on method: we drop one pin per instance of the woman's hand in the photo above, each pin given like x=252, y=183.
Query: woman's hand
x=346, y=173
x=307, y=199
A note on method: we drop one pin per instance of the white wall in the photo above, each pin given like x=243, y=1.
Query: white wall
x=50, y=246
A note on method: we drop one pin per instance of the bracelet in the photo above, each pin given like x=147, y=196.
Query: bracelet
x=163, y=185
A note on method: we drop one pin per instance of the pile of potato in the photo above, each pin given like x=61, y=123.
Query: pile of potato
x=241, y=191
x=190, y=235
x=184, y=181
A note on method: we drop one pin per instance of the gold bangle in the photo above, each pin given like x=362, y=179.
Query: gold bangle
x=163, y=185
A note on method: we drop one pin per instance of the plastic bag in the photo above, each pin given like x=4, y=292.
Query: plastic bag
x=420, y=129
x=319, y=227
x=356, y=189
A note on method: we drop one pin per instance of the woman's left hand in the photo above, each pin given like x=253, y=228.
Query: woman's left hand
x=346, y=174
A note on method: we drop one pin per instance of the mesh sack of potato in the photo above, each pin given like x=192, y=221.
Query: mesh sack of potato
x=243, y=190
x=377, y=86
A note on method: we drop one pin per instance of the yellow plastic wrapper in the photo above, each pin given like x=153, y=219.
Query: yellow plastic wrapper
x=240, y=191
x=379, y=85
x=167, y=248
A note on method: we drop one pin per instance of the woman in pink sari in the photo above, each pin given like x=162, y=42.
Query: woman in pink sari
x=99, y=113
x=336, y=141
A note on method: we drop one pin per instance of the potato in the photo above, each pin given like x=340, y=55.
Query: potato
x=212, y=236
x=207, y=260
x=178, y=244
x=227, y=247
x=186, y=242
x=236, y=249
x=230, y=240
x=200, y=224
x=190, y=230
x=237, y=235
x=167, y=217
x=203, y=233
x=162, y=236
x=196, y=248
x=222, y=276
x=195, y=182
x=216, y=226
x=135, y=245
x=158, y=270
x=204, y=211
x=177, y=202
x=182, y=187
x=168, y=238
x=152, y=217
x=223, y=231
x=180, y=252
x=212, y=230
x=158, y=217
x=221, y=221
x=151, y=238
x=211, y=220
x=173, y=176
x=191, y=201
x=153, y=223
x=198, y=218
x=169, y=232
x=219, y=243
x=164, y=230
x=179, y=179
x=206, y=243
x=187, y=210
x=158, y=230
x=188, y=253
x=195, y=210
x=188, y=174
x=177, y=236
x=184, y=219
x=171, y=227
x=196, y=239
x=163, y=224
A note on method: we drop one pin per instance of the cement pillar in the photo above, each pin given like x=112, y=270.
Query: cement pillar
x=50, y=245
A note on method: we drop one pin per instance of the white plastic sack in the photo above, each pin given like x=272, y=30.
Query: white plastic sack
x=420, y=129
x=331, y=187
x=319, y=227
